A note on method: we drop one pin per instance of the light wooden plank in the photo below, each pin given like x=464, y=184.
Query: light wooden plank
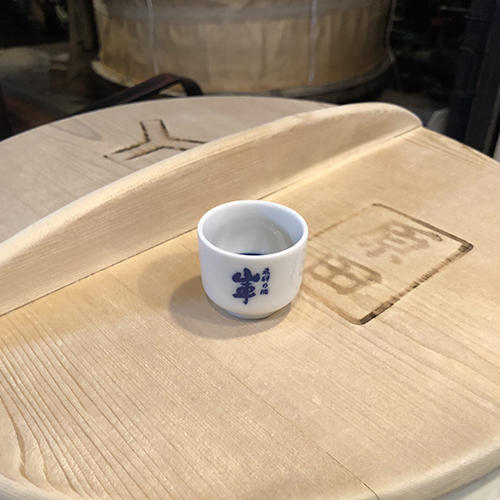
x=51, y=166
x=166, y=199
x=141, y=411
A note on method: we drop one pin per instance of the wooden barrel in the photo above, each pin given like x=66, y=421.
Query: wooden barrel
x=291, y=47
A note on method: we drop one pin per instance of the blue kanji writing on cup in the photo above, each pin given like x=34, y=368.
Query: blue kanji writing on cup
x=246, y=290
x=266, y=276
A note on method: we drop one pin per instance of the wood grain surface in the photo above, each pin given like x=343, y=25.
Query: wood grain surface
x=131, y=384
x=51, y=166
x=115, y=222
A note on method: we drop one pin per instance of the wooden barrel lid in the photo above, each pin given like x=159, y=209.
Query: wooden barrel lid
x=381, y=380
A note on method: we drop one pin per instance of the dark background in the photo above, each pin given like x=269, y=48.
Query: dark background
x=446, y=66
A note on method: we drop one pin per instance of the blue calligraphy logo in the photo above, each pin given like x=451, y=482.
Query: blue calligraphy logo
x=246, y=290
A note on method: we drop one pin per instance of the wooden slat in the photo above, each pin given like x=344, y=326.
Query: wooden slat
x=51, y=166
x=165, y=200
x=128, y=414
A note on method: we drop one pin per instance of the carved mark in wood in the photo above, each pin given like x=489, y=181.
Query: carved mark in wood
x=344, y=275
x=365, y=264
x=155, y=137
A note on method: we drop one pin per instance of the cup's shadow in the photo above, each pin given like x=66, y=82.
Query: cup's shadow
x=193, y=311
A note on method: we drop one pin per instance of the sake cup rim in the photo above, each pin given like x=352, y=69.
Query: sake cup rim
x=282, y=253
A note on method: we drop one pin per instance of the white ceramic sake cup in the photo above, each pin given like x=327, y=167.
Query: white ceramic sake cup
x=251, y=256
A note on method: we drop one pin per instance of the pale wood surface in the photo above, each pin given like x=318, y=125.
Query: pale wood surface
x=115, y=222
x=48, y=167
x=130, y=383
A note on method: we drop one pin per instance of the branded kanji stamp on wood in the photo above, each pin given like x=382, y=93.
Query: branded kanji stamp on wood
x=118, y=377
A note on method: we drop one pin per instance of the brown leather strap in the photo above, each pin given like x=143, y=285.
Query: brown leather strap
x=146, y=89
